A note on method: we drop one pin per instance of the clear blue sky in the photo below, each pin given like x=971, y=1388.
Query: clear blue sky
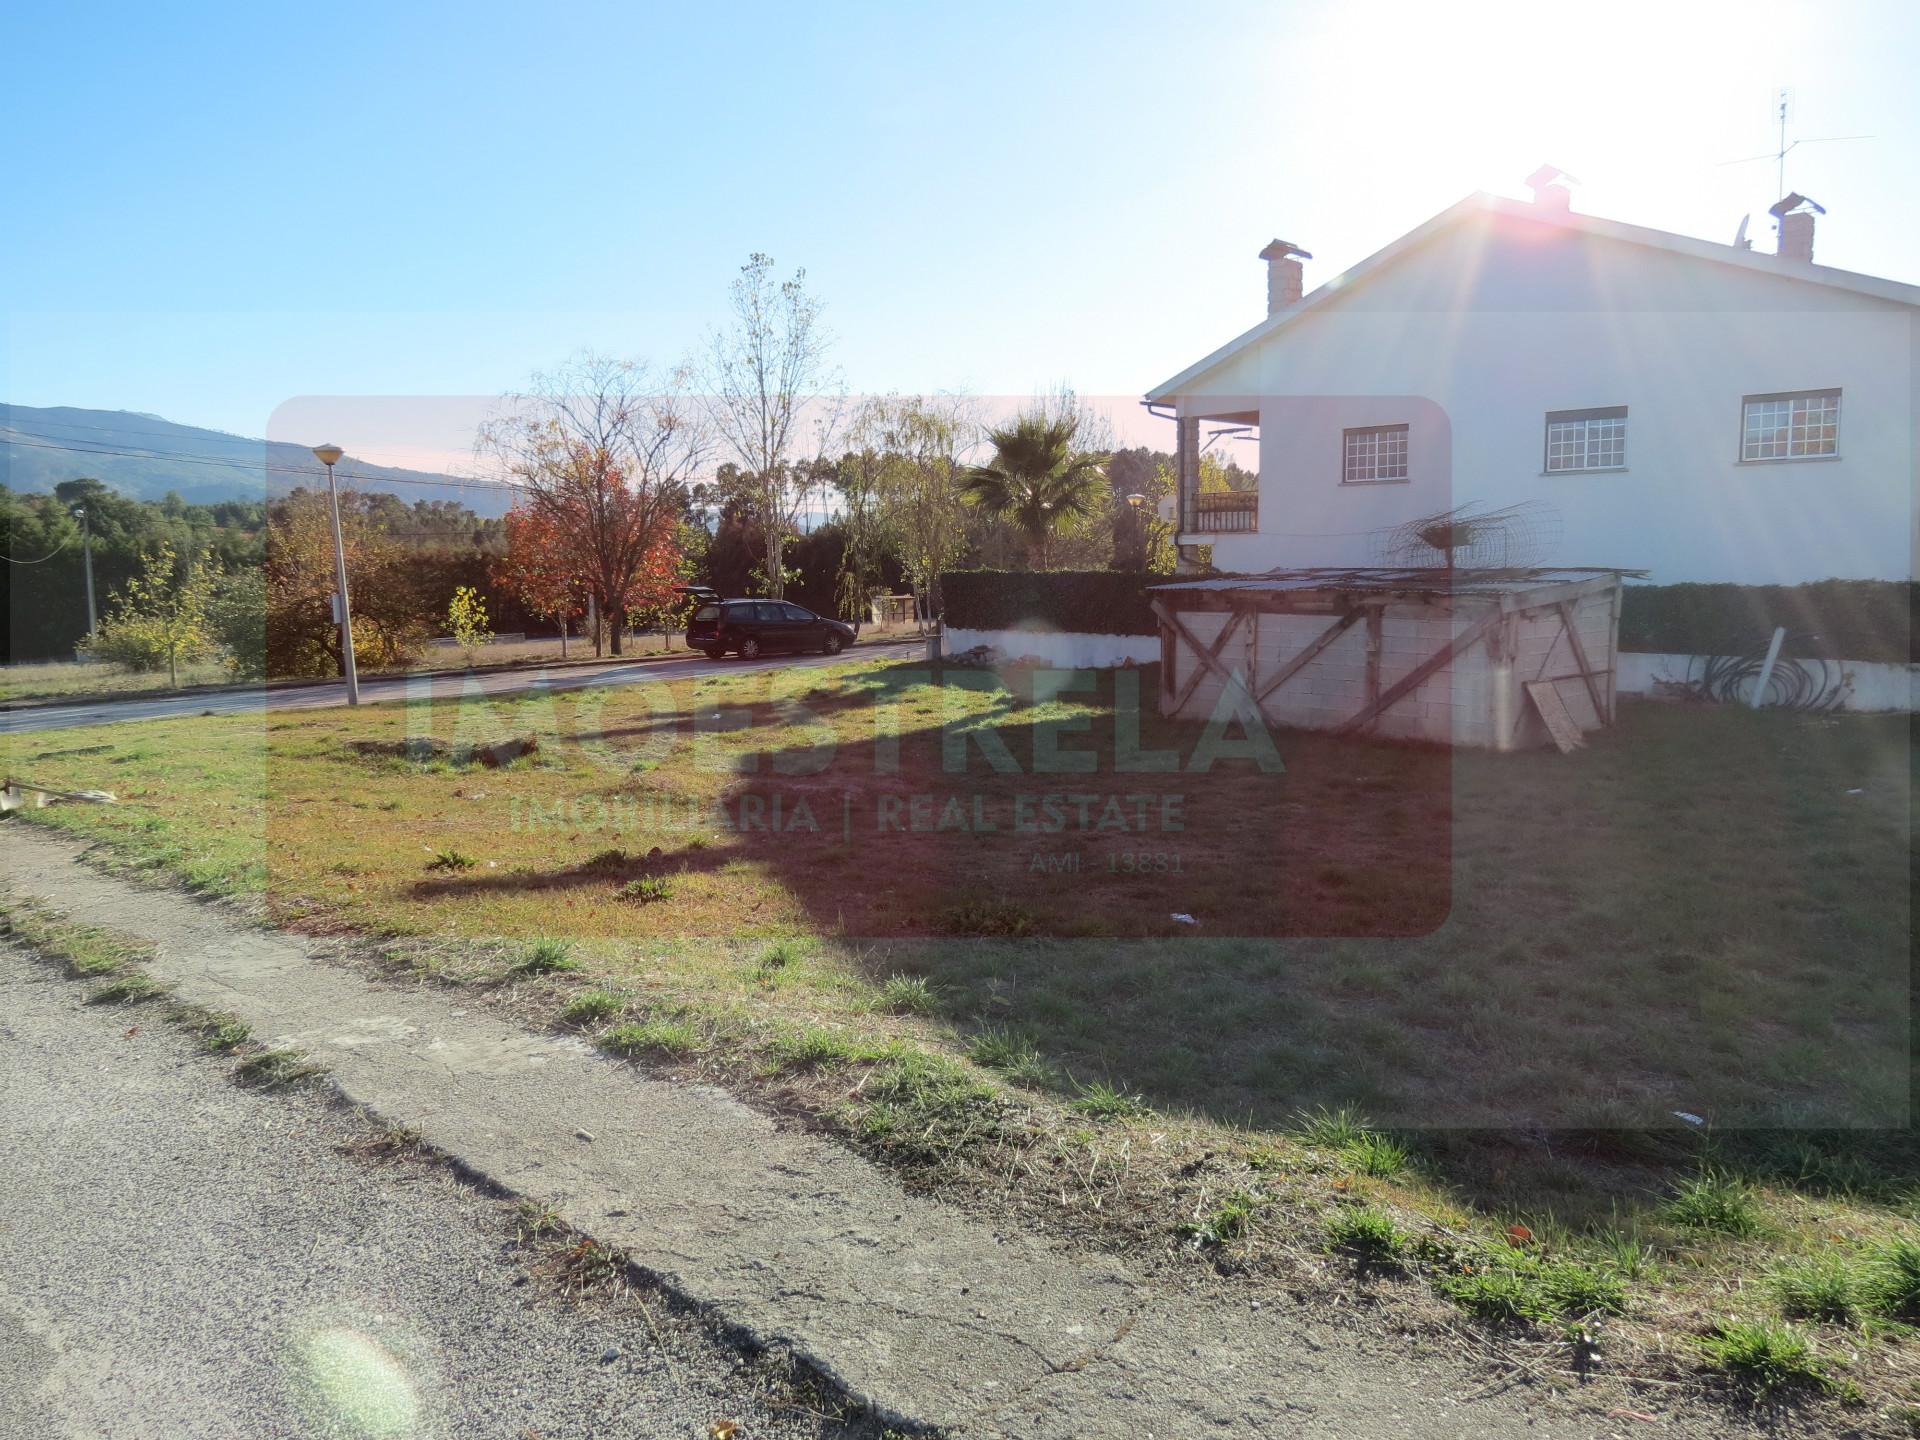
x=211, y=209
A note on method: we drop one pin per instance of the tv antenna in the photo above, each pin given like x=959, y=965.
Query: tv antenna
x=1787, y=147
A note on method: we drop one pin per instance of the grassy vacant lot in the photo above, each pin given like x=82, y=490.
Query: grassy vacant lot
x=54, y=678
x=1520, y=966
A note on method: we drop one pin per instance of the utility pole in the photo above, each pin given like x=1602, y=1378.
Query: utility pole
x=329, y=456
x=86, y=552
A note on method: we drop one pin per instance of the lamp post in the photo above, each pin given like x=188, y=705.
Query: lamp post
x=329, y=456
x=86, y=552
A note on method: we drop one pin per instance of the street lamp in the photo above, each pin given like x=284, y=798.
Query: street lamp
x=86, y=550
x=329, y=456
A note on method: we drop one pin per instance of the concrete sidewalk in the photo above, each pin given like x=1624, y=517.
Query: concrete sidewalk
x=920, y=1311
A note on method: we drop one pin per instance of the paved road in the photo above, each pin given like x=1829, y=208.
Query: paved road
x=181, y=1258
x=508, y=682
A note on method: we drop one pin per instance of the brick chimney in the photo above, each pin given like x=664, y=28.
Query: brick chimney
x=1795, y=214
x=1284, y=274
x=1796, y=236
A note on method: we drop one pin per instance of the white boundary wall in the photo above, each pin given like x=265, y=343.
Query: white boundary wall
x=1869, y=685
x=1064, y=649
x=1873, y=686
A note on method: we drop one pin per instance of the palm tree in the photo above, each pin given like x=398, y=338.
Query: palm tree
x=1037, y=480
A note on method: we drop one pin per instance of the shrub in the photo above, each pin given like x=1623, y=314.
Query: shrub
x=467, y=619
x=1848, y=619
x=237, y=620
x=451, y=860
x=1096, y=602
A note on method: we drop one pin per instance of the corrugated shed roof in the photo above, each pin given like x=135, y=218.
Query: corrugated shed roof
x=1435, y=580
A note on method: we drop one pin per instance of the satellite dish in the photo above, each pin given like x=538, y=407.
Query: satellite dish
x=1472, y=537
x=1740, y=241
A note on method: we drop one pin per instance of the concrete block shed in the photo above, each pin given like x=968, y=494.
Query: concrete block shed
x=1501, y=659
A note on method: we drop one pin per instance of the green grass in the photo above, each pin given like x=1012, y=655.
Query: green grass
x=276, y=1069
x=1723, y=927
x=1820, y=1287
x=455, y=860
x=814, y=1047
x=1893, y=1280
x=1367, y=1235
x=88, y=950
x=1015, y=1057
x=127, y=989
x=1103, y=1102
x=591, y=1007
x=646, y=890
x=1227, y=1221
x=1715, y=1201
x=675, y=1039
x=907, y=995
x=70, y=679
x=926, y=1108
x=547, y=957
x=1765, y=1356
x=1508, y=1284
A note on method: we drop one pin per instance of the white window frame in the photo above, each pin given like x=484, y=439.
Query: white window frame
x=1375, y=455
x=1788, y=425
x=1594, y=439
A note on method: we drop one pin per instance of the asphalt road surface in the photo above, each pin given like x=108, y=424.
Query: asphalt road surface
x=181, y=1259
x=447, y=686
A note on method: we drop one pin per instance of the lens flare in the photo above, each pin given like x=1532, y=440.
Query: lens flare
x=357, y=1387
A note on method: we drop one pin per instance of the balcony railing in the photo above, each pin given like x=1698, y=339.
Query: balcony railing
x=1218, y=512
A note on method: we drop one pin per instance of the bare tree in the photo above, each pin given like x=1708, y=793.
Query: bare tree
x=605, y=450
x=767, y=376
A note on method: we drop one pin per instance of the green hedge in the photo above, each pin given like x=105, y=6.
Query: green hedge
x=1093, y=602
x=1845, y=619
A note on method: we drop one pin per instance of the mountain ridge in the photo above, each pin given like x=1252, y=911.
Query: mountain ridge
x=145, y=456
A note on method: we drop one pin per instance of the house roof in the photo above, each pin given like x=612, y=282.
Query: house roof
x=1401, y=580
x=1480, y=203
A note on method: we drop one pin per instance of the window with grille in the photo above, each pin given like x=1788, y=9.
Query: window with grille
x=1587, y=439
x=1378, y=452
x=1790, y=426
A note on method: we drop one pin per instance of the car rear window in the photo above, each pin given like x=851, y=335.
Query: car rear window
x=707, y=612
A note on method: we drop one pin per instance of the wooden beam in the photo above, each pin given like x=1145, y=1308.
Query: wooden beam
x=1209, y=655
x=1375, y=625
x=1600, y=709
x=1306, y=657
x=1405, y=686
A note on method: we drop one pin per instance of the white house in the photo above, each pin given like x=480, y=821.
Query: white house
x=1696, y=410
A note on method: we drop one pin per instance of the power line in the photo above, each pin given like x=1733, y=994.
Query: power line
x=43, y=559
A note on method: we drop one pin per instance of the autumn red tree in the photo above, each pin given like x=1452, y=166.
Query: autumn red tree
x=603, y=451
x=538, y=570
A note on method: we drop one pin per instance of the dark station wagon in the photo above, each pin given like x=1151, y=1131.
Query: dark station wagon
x=751, y=628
